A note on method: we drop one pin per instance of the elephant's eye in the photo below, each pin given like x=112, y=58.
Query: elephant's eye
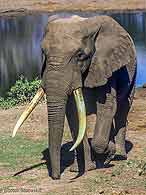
x=81, y=55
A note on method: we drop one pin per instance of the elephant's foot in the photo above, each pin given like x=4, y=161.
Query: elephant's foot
x=121, y=152
x=110, y=153
x=109, y=158
x=90, y=166
x=74, y=167
x=55, y=176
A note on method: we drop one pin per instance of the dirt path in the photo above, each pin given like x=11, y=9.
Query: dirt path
x=122, y=177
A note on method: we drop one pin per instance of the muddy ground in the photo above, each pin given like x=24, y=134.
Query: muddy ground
x=120, y=178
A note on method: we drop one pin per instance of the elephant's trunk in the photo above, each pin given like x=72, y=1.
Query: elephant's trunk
x=56, y=115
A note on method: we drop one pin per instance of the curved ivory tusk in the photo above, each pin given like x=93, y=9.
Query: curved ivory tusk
x=82, y=116
x=26, y=113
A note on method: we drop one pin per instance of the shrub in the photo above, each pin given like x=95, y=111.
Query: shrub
x=22, y=92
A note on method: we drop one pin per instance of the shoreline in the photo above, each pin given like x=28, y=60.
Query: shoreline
x=16, y=7
x=14, y=13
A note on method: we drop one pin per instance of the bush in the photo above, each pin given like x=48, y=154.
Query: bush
x=22, y=92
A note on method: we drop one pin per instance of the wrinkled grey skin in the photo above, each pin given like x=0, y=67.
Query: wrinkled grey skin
x=98, y=55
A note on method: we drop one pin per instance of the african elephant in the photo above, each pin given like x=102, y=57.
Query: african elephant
x=86, y=53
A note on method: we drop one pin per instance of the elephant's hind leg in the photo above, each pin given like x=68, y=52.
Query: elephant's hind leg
x=111, y=149
x=120, y=126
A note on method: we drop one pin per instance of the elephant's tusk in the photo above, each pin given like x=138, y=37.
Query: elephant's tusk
x=26, y=113
x=82, y=116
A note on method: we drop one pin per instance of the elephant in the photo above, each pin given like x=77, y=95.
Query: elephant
x=86, y=54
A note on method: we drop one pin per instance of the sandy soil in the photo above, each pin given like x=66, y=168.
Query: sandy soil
x=121, y=178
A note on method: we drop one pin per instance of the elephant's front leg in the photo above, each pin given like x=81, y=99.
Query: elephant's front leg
x=82, y=160
x=106, y=109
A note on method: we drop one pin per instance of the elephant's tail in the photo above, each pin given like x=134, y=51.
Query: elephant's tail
x=131, y=91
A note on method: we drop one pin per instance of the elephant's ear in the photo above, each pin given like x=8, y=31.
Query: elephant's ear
x=112, y=51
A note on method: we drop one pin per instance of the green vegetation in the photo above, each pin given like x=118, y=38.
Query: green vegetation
x=22, y=92
x=128, y=173
x=19, y=152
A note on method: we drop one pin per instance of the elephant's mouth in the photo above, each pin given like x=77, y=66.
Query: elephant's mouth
x=80, y=108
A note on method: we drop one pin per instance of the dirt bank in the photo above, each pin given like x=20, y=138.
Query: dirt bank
x=8, y=7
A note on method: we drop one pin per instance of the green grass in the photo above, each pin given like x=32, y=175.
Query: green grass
x=20, y=151
x=125, y=174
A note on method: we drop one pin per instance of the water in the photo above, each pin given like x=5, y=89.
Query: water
x=20, y=52
x=20, y=48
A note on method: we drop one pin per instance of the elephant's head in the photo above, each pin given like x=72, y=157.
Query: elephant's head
x=76, y=53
